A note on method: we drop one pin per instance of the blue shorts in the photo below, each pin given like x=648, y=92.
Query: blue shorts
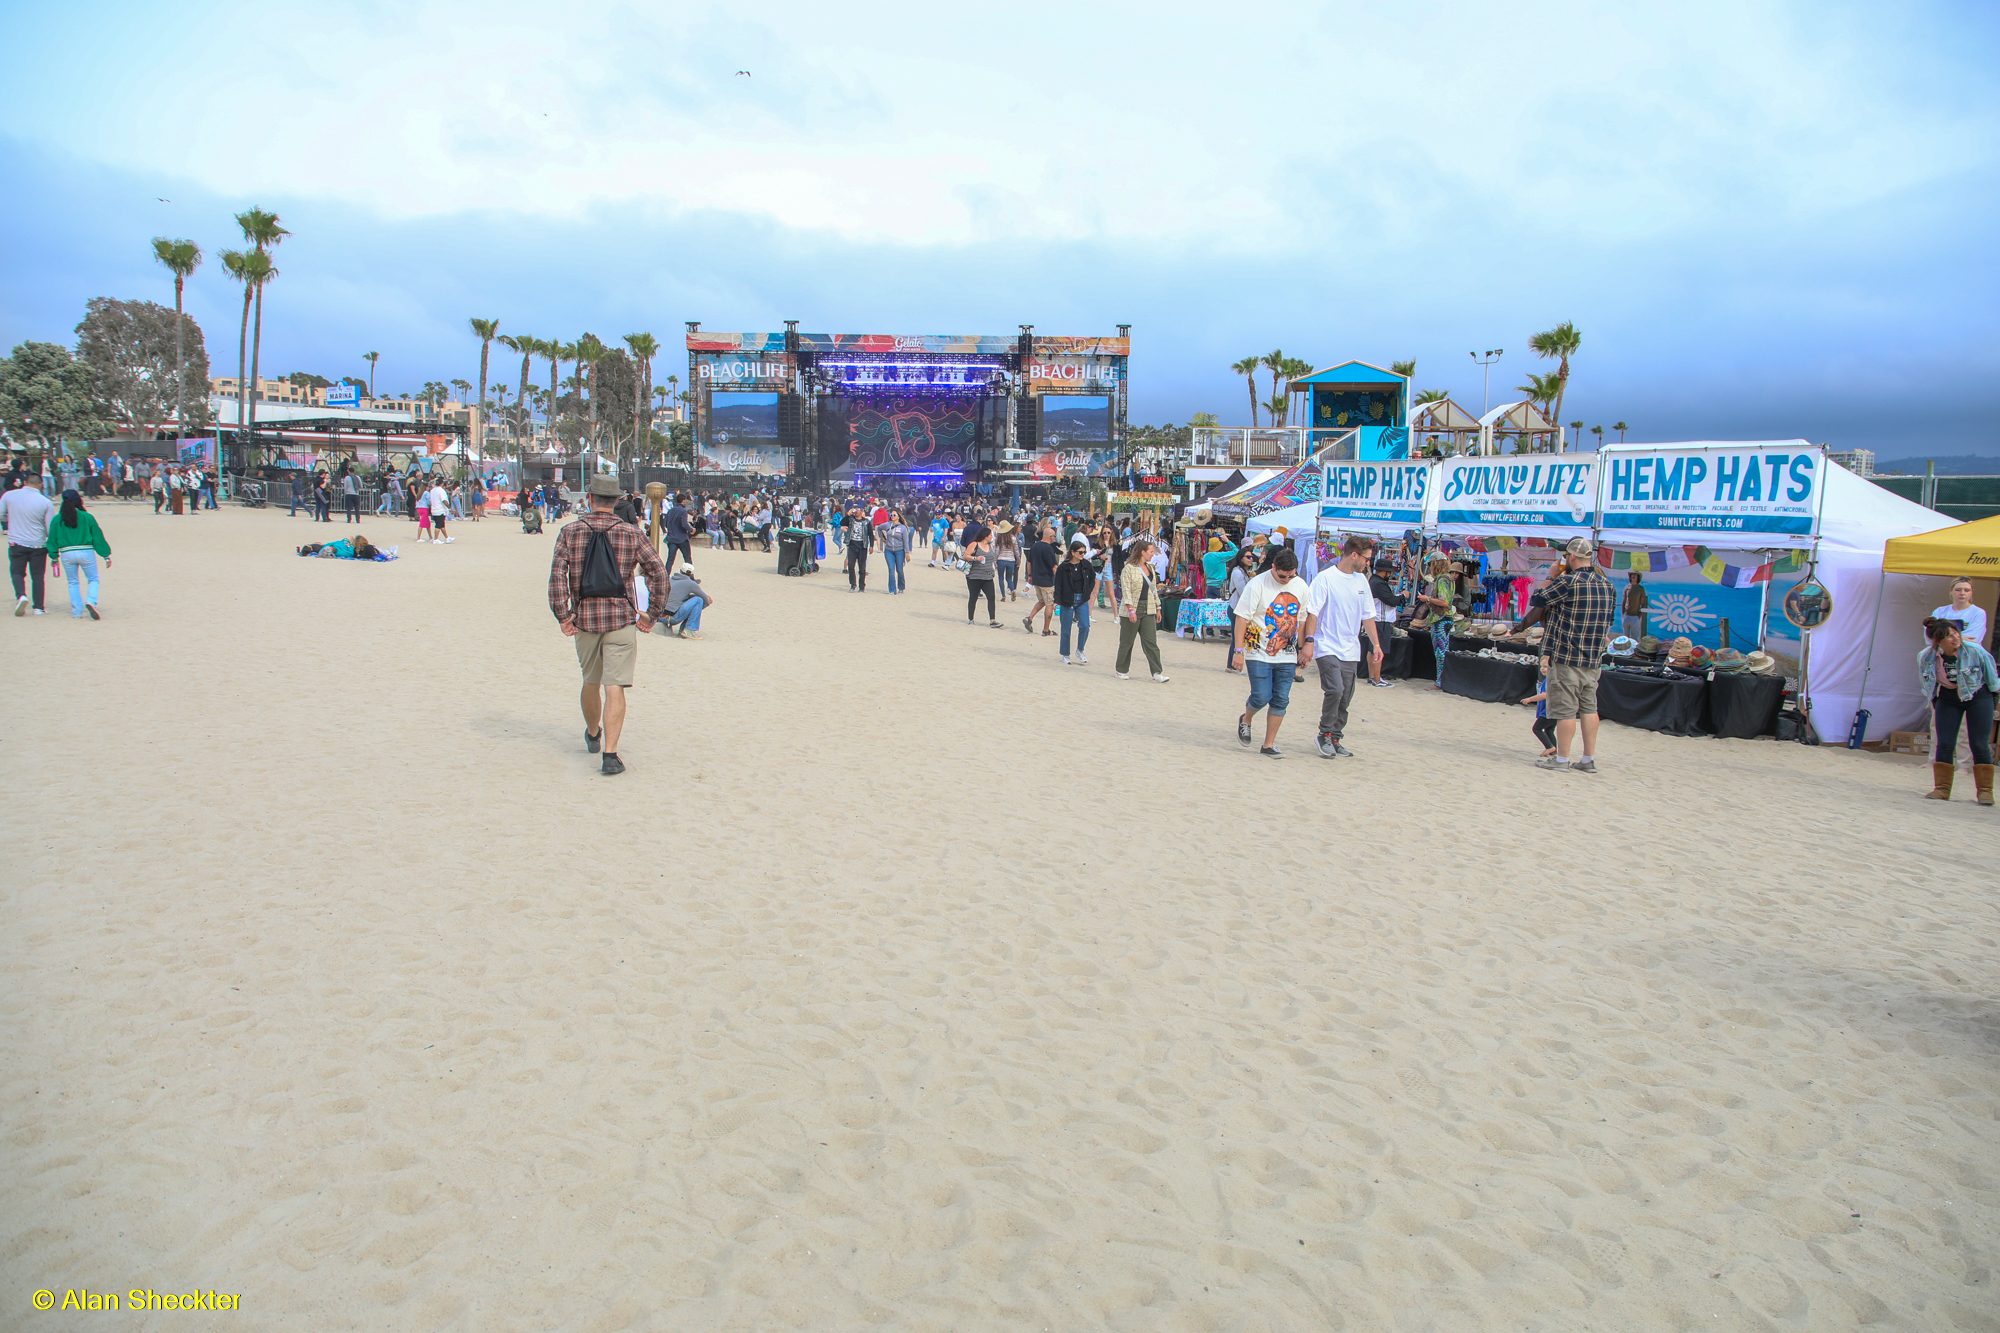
x=1270, y=685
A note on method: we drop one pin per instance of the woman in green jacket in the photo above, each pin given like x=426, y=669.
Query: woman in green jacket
x=77, y=541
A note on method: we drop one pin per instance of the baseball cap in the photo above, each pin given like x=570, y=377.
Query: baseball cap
x=1580, y=546
x=604, y=486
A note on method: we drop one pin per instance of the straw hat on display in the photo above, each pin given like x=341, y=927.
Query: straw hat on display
x=1701, y=657
x=1650, y=646
x=1534, y=634
x=1728, y=659
x=1680, y=650
x=1760, y=663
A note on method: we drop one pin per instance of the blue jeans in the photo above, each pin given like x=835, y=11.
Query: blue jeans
x=80, y=565
x=895, y=558
x=1270, y=686
x=1078, y=615
x=1008, y=570
x=689, y=616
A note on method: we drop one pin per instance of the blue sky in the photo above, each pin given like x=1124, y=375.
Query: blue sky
x=1768, y=219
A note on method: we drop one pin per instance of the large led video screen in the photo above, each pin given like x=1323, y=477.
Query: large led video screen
x=1075, y=422
x=913, y=434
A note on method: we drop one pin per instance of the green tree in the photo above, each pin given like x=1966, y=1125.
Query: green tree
x=1278, y=406
x=1407, y=369
x=1621, y=428
x=305, y=379
x=1598, y=431
x=644, y=348
x=1577, y=426
x=136, y=353
x=45, y=396
x=371, y=358
x=1559, y=343
x=181, y=259
x=1429, y=396
x=1247, y=368
x=590, y=350
x=261, y=229
x=252, y=268
x=486, y=330
x=1274, y=361
x=526, y=345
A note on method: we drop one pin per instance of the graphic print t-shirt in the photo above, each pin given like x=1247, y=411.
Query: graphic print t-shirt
x=1274, y=618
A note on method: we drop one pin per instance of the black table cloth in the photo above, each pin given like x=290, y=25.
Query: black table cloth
x=1488, y=679
x=1396, y=658
x=1423, y=658
x=1744, y=705
x=1652, y=703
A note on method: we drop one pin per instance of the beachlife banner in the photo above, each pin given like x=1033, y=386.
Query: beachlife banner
x=1768, y=492
x=1391, y=493
x=1557, y=492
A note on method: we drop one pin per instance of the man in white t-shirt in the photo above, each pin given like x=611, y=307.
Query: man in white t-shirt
x=440, y=506
x=1342, y=606
x=1274, y=638
x=25, y=510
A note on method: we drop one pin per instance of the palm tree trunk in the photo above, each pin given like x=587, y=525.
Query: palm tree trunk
x=242, y=367
x=485, y=349
x=256, y=349
x=180, y=365
x=1251, y=380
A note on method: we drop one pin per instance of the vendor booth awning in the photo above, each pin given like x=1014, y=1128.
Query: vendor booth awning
x=1964, y=550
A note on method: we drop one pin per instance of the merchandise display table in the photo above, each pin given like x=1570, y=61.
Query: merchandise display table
x=1488, y=679
x=1744, y=705
x=1200, y=614
x=1652, y=703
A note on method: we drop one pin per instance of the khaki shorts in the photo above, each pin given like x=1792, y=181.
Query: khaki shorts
x=608, y=659
x=1044, y=596
x=1572, y=691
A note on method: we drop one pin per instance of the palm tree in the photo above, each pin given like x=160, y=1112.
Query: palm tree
x=237, y=264
x=261, y=229
x=1274, y=361
x=1559, y=342
x=1598, y=431
x=1406, y=369
x=462, y=387
x=1621, y=428
x=644, y=347
x=557, y=352
x=486, y=330
x=1577, y=426
x=1296, y=370
x=1278, y=407
x=182, y=258
x=1247, y=368
x=1429, y=396
x=371, y=358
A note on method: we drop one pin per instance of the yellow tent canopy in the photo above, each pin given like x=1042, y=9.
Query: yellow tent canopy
x=1966, y=549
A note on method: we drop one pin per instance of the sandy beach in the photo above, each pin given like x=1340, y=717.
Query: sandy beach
x=909, y=979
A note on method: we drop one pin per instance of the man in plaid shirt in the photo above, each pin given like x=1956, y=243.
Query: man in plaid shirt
x=606, y=629
x=1581, y=607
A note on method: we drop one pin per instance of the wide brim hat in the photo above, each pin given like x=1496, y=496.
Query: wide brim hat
x=1728, y=657
x=1624, y=646
x=1534, y=634
x=1760, y=663
x=1680, y=648
x=1649, y=644
x=1003, y=526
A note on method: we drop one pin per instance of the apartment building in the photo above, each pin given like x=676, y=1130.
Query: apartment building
x=269, y=391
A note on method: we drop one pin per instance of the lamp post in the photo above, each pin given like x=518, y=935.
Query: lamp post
x=1486, y=376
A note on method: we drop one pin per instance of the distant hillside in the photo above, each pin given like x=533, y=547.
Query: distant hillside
x=1948, y=465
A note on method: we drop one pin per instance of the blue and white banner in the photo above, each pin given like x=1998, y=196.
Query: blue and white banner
x=1375, y=493
x=1554, y=493
x=1767, y=493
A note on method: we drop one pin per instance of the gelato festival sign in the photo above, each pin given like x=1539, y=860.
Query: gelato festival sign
x=1392, y=493
x=1763, y=491
x=1556, y=491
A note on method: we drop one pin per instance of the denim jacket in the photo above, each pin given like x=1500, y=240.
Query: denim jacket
x=1976, y=671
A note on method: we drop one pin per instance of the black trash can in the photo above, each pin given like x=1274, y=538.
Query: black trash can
x=795, y=552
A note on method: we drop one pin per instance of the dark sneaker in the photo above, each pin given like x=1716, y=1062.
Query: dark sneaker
x=1328, y=747
x=593, y=743
x=1242, y=733
x=1271, y=752
x=1584, y=766
x=612, y=764
x=93, y=611
x=1341, y=751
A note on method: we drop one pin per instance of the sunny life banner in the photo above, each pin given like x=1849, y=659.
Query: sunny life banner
x=1764, y=494
x=1388, y=493
x=1555, y=494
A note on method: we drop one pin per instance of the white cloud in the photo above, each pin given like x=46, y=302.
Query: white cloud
x=1254, y=131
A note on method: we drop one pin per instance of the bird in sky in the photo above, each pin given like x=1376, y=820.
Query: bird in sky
x=164, y=201
x=742, y=73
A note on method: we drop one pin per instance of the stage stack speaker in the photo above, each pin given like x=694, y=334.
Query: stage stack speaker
x=792, y=432
x=1028, y=425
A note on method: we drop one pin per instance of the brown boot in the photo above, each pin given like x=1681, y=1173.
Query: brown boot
x=1940, y=783
x=1982, y=782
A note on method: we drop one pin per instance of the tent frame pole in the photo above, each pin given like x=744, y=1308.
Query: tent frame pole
x=1868, y=664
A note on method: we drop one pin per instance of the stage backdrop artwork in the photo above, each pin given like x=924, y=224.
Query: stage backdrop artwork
x=916, y=434
x=1769, y=492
